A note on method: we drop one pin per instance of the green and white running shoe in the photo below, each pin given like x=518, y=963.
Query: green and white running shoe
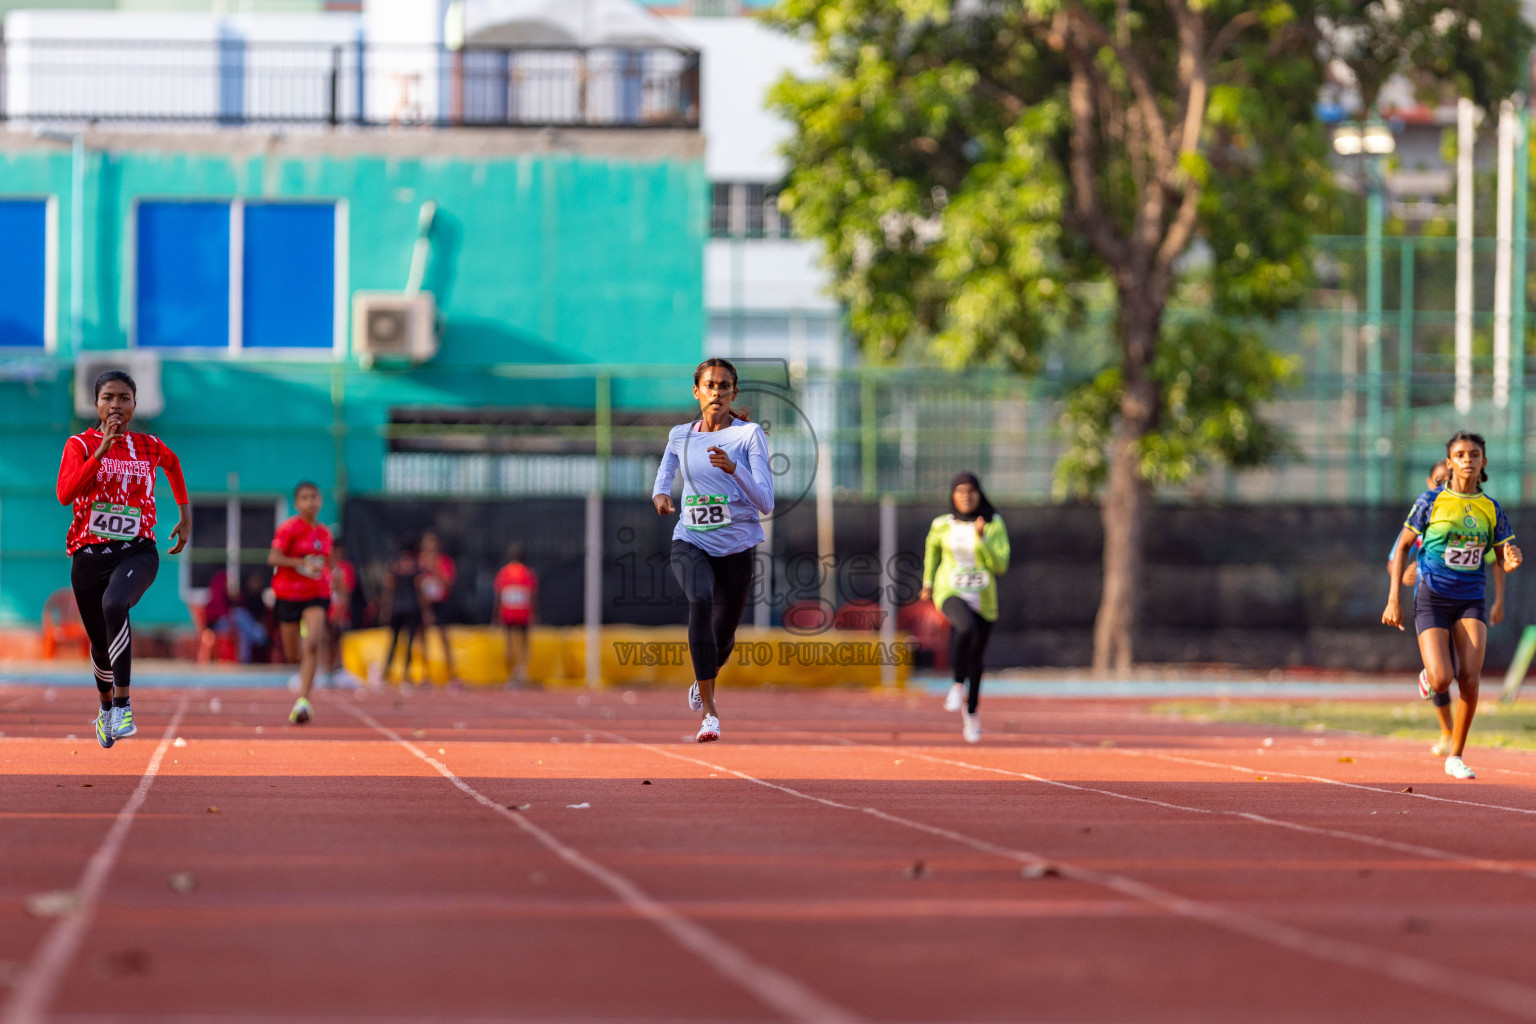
x=301, y=712
x=122, y=723
x=104, y=728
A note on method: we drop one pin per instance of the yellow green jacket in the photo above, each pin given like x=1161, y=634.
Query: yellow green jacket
x=992, y=554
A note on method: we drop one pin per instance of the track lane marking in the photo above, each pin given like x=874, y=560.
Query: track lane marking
x=1507, y=997
x=32, y=994
x=773, y=988
x=1427, y=852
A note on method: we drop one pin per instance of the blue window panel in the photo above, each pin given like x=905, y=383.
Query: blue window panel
x=23, y=272
x=289, y=287
x=183, y=275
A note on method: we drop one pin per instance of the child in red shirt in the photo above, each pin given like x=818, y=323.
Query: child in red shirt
x=301, y=554
x=516, y=587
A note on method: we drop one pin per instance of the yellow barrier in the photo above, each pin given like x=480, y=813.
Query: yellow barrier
x=639, y=656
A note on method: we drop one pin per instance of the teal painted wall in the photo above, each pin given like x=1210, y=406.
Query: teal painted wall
x=550, y=259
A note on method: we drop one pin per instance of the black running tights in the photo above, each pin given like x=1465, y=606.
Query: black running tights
x=967, y=643
x=109, y=579
x=716, y=587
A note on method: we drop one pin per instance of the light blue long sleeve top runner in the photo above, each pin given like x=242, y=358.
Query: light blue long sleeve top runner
x=719, y=511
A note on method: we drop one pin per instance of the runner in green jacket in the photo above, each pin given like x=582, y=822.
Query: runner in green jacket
x=967, y=550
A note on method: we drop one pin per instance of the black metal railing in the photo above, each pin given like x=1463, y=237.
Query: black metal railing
x=238, y=82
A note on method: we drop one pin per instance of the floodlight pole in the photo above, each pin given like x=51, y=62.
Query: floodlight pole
x=1373, y=221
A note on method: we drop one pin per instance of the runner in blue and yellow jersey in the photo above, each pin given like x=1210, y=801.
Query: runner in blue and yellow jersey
x=1456, y=526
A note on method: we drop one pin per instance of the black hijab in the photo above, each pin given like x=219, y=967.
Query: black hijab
x=984, y=507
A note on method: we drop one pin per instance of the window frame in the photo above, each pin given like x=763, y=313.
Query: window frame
x=234, y=347
x=50, y=203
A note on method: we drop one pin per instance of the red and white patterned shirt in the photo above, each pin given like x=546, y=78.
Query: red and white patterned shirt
x=121, y=486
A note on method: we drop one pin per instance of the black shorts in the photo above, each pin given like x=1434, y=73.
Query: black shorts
x=293, y=611
x=1431, y=611
x=409, y=618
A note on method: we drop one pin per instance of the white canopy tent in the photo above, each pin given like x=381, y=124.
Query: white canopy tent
x=622, y=24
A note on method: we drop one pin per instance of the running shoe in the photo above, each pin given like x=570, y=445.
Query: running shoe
x=954, y=698
x=122, y=723
x=971, y=729
x=104, y=728
x=295, y=684
x=709, y=731
x=301, y=712
x=1456, y=768
x=695, y=700
x=1441, y=746
x=1424, y=691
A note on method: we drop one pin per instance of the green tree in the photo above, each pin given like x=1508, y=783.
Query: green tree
x=976, y=167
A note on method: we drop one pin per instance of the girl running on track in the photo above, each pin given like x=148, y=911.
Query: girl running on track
x=437, y=576
x=727, y=485
x=301, y=556
x=1457, y=525
x=1439, y=473
x=967, y=549
x=108, y=475
x=401, y=602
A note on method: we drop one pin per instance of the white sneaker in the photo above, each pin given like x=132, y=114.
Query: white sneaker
x=1441, y=746
x=1456, y=768
x=709, y=730
x=971, y=727
x=695, y=701
x=954, y=698
x=294, y=683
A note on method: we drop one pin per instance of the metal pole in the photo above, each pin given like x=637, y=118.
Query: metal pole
x=1518, y=298
x=77, y=244
x=1504, y=218
x=604, y=437
x=869, y=453
x=1405, y=366
x=335, y=112
x=762, y=612
x=1466, y=138
x=1373, y=331
x=593, y=616
x=826, y=552
x=887, y=586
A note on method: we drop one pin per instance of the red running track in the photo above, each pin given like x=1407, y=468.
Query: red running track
x=839, y=857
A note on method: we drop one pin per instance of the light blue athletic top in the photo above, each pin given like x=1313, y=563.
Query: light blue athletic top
x=719, y=510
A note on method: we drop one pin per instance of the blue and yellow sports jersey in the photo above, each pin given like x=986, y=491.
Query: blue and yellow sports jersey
x=1456, y=530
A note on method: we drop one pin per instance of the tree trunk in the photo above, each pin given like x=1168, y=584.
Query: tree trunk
x=1127, y=494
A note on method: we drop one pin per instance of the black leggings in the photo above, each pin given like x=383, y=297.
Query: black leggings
x=410, y=622
x=109, y=579
x=967, y=643
x=716, y=586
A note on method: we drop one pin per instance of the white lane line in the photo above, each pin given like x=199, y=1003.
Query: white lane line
x=32, y=994
x=779, y=991
x=1507, y=997
x=1427, y=852
x=1297, y=775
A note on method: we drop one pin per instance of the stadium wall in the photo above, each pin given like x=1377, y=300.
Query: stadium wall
x=590, y=253
x=1259, y=587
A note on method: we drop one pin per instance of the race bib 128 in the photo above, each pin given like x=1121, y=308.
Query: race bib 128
x=706, y=511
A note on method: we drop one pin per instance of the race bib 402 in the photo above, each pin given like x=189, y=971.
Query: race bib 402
x=117, y=522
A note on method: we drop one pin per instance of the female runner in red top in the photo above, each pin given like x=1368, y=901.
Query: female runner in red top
x=108, y=475
x=301, y=554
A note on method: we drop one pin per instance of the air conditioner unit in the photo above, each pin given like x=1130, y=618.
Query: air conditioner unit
x=394, y=325
x=140, y=364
